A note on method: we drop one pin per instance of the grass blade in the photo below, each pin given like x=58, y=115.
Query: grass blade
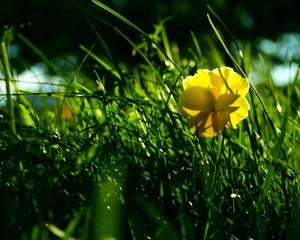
x=129, y=23
x=8, y=80
x=245, y=75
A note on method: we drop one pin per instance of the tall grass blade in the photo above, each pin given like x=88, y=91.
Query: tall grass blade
x=227, y=30
x=245, y=75
x=129, y=23
x=8, y=80
x=198, y=49
x=59, y=232
x=104, y=64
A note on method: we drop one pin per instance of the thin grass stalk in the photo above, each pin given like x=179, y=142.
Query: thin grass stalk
x=228, y=31
x=8, y=79
x=117, y=71
x=245, y=75
x=166, y=43
x=129, y=23
x=196, y=44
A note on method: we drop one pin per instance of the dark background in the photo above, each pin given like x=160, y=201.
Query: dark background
x=57, y=27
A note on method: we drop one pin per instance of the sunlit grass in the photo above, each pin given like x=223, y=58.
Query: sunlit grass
x=114, y=159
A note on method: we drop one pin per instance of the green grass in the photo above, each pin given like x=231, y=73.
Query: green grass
x=125, y=166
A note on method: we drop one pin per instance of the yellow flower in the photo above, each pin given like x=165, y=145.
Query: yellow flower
x=214, y=100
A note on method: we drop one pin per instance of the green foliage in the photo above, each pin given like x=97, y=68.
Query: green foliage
x=114, y=158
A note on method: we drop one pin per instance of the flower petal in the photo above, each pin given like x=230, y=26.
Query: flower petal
x=234, y=82
x=219, y=120
x=196, y=99
x=208, y=128
x=238, y=84
x=216, y=78
x=241, y=113
x=201, y=78
x=196, y=121
x=214, y=100
x=225, y=101
x=209, y=124
x=205, y=128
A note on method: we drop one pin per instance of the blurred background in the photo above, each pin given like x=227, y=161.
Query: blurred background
x=58, y=27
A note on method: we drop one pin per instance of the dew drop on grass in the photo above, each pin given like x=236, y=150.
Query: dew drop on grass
x=44, y=150
x=142, y=143
x=233, y=195
x=162, y=151
x=167, y=63
x=241, y=53
x=192, y=64
x=279, y=109
x=57, y=135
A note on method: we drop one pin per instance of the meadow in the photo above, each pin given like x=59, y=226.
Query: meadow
x=108, y=154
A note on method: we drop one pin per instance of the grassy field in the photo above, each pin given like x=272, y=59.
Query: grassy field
x=111, y=156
